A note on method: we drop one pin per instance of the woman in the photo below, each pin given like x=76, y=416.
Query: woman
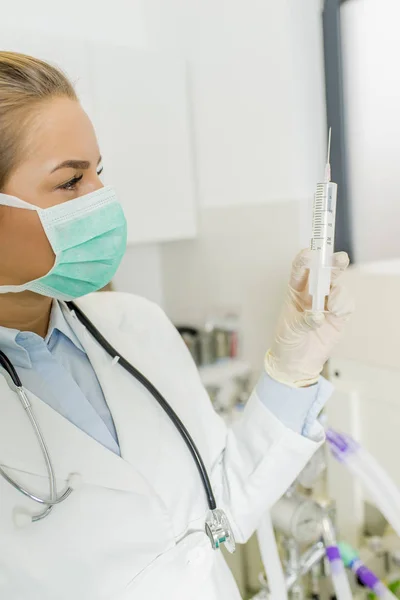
x=134, y=526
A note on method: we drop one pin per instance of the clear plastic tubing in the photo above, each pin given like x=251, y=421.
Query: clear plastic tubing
x=271, y=559
x=379, y=474
x=385, y=593
x=370, y=580
x=338, y=574
x=380, y=486
x=351, y=560
x=379, y=492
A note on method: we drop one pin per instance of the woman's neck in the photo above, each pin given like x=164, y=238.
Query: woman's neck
x=25, y=312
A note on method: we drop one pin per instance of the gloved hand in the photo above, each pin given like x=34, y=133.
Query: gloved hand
x=304, y=340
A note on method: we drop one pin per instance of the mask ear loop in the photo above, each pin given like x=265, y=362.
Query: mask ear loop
x=14, y=202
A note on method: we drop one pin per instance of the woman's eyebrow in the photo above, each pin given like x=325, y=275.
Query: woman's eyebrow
x=72, y=164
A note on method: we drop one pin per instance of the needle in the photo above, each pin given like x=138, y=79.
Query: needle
x=328, y=159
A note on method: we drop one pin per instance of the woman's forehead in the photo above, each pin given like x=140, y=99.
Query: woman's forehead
x=60, y=131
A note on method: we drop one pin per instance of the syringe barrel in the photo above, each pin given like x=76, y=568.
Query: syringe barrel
x=322, y=243
x=323, y=226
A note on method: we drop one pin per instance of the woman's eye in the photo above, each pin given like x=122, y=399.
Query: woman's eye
x=99, y=171
x=71, y=184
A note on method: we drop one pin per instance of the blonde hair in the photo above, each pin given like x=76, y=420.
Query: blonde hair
x=25, y=82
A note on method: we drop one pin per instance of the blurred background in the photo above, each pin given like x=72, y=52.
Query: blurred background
x=212, y=117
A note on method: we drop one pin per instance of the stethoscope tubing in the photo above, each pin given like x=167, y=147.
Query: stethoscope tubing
x=125, y=364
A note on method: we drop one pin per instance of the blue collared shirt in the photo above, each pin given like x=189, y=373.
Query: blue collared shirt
x=57, y=370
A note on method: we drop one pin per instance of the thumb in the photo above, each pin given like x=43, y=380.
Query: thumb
x=340, y=303
x=340, y=262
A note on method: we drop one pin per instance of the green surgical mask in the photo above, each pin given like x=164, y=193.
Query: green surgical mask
x=88, y=238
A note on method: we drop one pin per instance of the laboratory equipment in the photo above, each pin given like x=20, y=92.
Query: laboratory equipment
x=229, y=384
x=271, y=560
x=308, y=560
x=217, y=525
x=315, y=582
x=380, y=486
x=298, y=521
x=299, y=518
x=292, y=559
x=352, y=561
x=190, y=336
x=338, y=573
x=365, y=369
x=216, y=341
x=323, y=237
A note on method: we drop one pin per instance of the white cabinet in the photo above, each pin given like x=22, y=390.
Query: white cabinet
x=250, y=148
x=141, y=116
x=138, y=102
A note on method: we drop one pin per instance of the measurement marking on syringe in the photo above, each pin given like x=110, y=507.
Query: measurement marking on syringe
x=322, y=238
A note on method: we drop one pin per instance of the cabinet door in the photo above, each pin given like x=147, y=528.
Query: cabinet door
x=141, y=117
x=68, y=54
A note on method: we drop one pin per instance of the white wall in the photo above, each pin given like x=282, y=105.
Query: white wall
x=239, y=264
x=371, y=47
x=119, y=21
x=140, y=273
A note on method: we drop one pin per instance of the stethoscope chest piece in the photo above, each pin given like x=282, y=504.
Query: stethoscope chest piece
x=219, y=530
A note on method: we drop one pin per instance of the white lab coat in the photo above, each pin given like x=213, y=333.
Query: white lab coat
x=135, y=529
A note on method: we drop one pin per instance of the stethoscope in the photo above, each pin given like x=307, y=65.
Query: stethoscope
x=217, y=525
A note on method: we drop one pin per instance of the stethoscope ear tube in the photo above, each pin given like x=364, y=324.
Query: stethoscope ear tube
x=125, y=364
x=9, y=368
x=21, y=517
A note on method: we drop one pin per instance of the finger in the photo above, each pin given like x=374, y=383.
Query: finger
x=340, y=262
x=340, y=303
x=308, y=321
x=300, y=270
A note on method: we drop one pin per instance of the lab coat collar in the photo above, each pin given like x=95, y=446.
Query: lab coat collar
x=16, y=353
x=59, y=323
x=107, y=369
x=71, y=449
x=119, y=387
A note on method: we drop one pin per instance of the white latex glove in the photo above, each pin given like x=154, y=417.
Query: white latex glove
x=304, y=340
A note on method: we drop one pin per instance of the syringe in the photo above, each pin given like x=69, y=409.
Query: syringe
x=323, y=236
